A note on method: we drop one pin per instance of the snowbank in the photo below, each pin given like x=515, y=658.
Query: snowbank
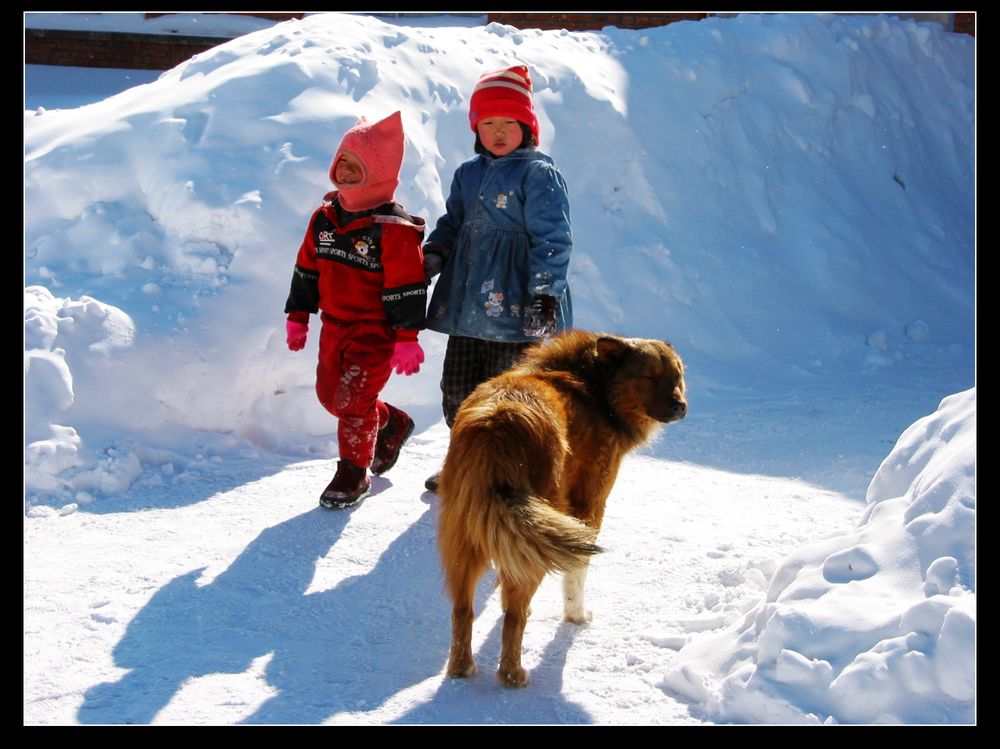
x=787, y=199
x=873, y=626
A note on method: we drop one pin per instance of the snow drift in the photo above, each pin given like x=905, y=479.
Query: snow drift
x=785, y=198
x=873, y=626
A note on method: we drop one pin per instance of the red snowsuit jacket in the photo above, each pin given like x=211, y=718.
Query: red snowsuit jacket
x=369, y=268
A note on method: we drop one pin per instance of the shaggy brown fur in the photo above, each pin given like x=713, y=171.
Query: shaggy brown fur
x=534, y=454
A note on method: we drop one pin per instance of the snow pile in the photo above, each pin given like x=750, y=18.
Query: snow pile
x=785, y=198
x=68, y=342
x=877, y=625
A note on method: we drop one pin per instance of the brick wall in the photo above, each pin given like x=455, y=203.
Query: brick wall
x=964, y=23
x=112, y=49
x=590, y=21
x=268, y=16
x=106, y=49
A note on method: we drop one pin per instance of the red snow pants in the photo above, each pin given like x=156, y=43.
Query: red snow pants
x=353, y=368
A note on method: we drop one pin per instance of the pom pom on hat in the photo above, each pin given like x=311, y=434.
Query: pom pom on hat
x=504, y=93
x=379, y=148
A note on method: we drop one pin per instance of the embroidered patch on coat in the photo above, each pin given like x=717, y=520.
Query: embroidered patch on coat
x=494, y=305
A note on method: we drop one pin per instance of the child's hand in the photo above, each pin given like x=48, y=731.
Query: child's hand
x=540, y=318
x=295, y=335
x=432, y=265
x=407, y=357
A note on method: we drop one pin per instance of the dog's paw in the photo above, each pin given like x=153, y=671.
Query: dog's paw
x=583, y=616
x=514, y=678
x=463, y=669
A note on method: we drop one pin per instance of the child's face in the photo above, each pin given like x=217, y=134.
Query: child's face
x=500, y=135
x=348, y=170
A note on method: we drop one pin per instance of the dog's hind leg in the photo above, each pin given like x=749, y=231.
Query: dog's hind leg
x=461, y=582
x=574, y=608
x=516, y=600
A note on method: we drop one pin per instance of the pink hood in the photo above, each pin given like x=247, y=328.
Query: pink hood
x=379, y=148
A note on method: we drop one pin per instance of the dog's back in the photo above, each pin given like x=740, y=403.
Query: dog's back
x=500, y=478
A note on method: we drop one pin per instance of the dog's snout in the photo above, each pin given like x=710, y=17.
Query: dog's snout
x=680, y=402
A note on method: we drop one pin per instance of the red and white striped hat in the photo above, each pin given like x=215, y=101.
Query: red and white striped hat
x=504, y=93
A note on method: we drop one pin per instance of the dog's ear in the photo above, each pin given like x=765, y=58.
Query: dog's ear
x=611, y=350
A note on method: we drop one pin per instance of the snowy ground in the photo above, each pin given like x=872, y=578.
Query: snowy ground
x=788, y=204
x=349, y=623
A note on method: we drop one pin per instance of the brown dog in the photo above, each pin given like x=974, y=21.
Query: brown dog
x=534, y=454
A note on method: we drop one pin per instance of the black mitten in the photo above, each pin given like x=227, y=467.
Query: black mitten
x=540, y=317
x=433, y=261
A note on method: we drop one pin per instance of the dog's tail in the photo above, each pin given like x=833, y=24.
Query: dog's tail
x=505, y=459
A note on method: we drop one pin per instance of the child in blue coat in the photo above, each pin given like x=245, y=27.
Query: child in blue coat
x=503, y=246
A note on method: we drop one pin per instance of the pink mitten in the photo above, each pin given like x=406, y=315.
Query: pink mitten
x=407, y=357
x=296, y=334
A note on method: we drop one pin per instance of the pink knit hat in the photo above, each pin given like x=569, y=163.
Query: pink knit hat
x=504, y=93
x=379, y=148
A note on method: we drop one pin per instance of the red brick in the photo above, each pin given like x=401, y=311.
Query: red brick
x=964, y=23
x=589, y=21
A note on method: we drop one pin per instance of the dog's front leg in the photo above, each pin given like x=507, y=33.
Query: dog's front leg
x=574, y=608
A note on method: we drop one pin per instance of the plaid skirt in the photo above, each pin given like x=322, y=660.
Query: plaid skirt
x=470, y=361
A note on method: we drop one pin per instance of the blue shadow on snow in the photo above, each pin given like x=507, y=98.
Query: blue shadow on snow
x=346, y=649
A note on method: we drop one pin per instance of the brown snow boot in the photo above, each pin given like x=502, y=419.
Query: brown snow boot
x=390, y=440
x=350, y=485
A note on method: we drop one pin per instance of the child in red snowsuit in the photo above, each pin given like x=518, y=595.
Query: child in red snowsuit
x=361, y=267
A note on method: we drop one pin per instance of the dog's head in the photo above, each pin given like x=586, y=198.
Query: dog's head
x=646, y=378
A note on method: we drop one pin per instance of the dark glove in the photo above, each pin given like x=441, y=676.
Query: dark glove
x=540, y=317
x=433, y=261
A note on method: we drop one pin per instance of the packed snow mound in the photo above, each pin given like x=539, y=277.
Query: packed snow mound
x=784, y=197
x=905, y=653
x=66, y=341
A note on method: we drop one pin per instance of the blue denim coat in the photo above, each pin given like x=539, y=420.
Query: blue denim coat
x=505, y=237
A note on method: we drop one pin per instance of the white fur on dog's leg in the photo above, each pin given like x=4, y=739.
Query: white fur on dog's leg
x=573, y=601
